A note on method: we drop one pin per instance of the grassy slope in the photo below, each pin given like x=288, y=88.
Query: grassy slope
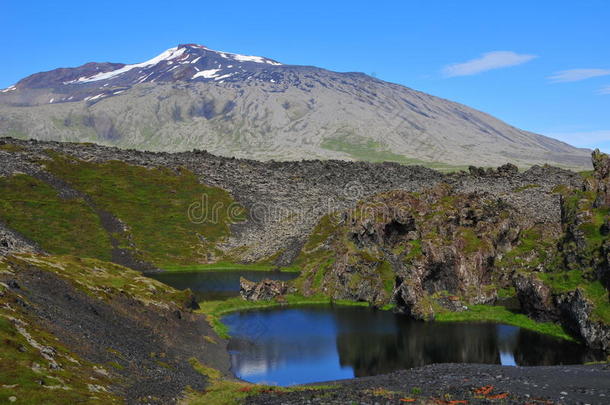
x=371, y=151
x=153, y=203
x=57, y=225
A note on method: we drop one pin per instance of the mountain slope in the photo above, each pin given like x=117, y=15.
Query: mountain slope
x=247, y=106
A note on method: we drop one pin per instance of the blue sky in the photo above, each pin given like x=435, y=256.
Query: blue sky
x=542, y=66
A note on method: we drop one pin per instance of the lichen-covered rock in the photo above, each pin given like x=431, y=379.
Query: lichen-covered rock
x=262, y=291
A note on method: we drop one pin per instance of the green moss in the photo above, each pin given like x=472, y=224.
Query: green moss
x=415, y=250
x=57, y=225
x=472, y=243
x=165, y=211
x=386, y=273
x=321, y=272
x=206, y=371
x=499, y=314
x=507, y=292
x=326, y=226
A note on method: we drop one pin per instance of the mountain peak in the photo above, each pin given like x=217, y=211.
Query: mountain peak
x=185, y=62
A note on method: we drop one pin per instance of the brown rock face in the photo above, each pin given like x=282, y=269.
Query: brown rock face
x=265, y=290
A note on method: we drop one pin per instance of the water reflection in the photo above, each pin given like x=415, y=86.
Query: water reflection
x=216, y=285
x=308, y=344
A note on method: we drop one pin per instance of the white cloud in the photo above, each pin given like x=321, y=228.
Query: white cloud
x=488, y=61
x=604, y=90
x=584, y=139
x=575, y=75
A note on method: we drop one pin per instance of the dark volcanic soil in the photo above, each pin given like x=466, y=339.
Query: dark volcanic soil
x=455, y=383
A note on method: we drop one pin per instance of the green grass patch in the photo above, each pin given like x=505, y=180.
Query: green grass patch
x=366, y=149
x=11, y=147
x=223, y=392
x=59, y=226
x=171, y=217
x=499, y=314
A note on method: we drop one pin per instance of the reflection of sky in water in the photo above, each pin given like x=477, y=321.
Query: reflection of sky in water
x=313, y=344
x=507, y=342
x=285, y=347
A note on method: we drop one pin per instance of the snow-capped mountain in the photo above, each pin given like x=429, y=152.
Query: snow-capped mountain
x=189, y=63
x=191, y=96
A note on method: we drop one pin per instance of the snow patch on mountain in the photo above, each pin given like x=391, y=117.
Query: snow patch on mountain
x=168, y=55
x=208, y=74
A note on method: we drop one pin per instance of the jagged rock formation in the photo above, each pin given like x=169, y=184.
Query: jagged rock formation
x=417, y=250
x=264, y=290
x=192, y=97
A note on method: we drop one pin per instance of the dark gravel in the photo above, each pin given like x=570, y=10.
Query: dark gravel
x=452, y=383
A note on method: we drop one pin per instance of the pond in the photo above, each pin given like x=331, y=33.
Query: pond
x=286, y=346
x=216, y=285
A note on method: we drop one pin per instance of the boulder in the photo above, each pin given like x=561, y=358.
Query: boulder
x=262, y=291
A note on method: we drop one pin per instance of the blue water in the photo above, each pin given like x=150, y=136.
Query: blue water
x=321, y=343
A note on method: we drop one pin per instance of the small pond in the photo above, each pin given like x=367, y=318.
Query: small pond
x=286, y=346
x=216, y=285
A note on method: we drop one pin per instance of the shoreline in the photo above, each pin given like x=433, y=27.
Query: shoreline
x=215, y=310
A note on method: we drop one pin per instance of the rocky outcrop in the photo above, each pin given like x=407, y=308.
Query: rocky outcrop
x=601, y=183
x=572, y=309
x=421, y=251
x=261, y=291
x=576, y=316
x=536, y=298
